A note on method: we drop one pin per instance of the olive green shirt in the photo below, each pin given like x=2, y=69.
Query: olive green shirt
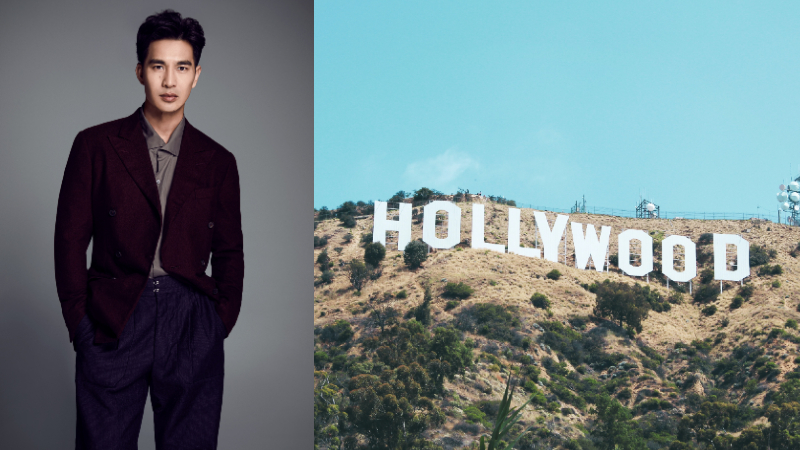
x=164, y=157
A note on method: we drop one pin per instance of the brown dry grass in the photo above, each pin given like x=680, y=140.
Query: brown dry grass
x=512, y=279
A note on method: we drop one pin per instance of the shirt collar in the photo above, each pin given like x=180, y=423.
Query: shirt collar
x=154, y=141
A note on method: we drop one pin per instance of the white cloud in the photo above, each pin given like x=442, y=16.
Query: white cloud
x=439, y=172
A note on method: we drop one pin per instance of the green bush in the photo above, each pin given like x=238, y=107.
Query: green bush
x=706, y=293
x=675, y=298
x=320, y=242
x=709, y=310
x=623, y=303
x=613, y=260
x=491, y=320
x=776, y=284
x=540, y=300
x=359, y=272
x=457, y=290
x=759, y=255
x=653, y=404
x=768, y=370
x=625, y=394
x=348, y=221
x=324, y=213
x=450, y=305
x=338, y=331
x=705, y=239
x=791, y=323
x=474, y=415
x=422, y=312
x=323, y=259
x=553, y=274
x=706, y=275
x=415, y=254
x=704, y=257
x=776, y=332
x=767, y=270
x=579, y=348
x=424, y=194
x=736, y=302
x=366, y=238
x=398, y=197
x=327, y=276
x=746, y=291
x=402, y=294
x=374, y=253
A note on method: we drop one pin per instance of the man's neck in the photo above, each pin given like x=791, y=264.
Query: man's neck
x=163, y=123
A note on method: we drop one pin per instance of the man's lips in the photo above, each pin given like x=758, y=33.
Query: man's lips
x=168, y=98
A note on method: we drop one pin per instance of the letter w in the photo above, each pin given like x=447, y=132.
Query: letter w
x=586, y=246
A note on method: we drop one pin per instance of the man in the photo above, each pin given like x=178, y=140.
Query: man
x=157, y=196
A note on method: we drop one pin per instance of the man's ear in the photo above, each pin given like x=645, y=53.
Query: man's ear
x=196, y=76
x=138, y=71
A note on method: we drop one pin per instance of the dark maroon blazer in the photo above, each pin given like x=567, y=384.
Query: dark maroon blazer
x=109, y=194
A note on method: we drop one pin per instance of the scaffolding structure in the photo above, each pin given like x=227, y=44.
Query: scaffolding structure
x=579, y=206
x=647, y=209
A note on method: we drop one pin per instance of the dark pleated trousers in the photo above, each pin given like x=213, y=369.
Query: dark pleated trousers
x=172, y=345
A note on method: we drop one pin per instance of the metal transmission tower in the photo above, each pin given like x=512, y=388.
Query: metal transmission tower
x=789, y=202
x=647, y=209
x=579, y=206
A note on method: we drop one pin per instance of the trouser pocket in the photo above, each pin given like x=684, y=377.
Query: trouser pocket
x=102, y=364
x=207, y=336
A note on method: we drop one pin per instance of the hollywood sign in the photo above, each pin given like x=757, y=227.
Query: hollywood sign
x=587, y=245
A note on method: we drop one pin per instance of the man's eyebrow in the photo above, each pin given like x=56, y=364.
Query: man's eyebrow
x=159, y=61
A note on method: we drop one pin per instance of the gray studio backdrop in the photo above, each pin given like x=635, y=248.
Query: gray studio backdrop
x=67, y=66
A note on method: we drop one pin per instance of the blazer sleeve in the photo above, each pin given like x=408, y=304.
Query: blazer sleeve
x=73, y=232
x=227, y=255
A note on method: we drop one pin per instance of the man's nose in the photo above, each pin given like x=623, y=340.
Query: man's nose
x=169, y=79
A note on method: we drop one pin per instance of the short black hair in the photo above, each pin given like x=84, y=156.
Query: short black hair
x=169, y=24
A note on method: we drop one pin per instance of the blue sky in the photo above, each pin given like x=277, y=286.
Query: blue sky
x=695, y=103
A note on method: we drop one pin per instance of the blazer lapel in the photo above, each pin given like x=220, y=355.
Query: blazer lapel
x=192, y=163
x=131, y=147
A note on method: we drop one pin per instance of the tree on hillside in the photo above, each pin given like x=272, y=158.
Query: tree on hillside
x=398, y=197
x=374, y=253
x=348, y=221
x=424, y=194
x=323, y=259
x=359, y=272
x=622, y=303
x=383, y=316
x=615, y=426
x=450, y=356
x=324, y=213
x=388, y=412
x=347, y=208
x=415, y=253
x=423, y=312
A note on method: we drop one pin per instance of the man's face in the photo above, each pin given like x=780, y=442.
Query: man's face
x=168, y=75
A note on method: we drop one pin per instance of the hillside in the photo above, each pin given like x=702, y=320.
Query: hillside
x=682, y=362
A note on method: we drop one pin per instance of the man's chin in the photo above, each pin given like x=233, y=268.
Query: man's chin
x=166, y=108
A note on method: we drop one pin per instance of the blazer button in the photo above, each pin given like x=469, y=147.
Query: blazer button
x=119, y=254
x=202, y=262
x=112, y=212
x=210, y=224
x=215, y=291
